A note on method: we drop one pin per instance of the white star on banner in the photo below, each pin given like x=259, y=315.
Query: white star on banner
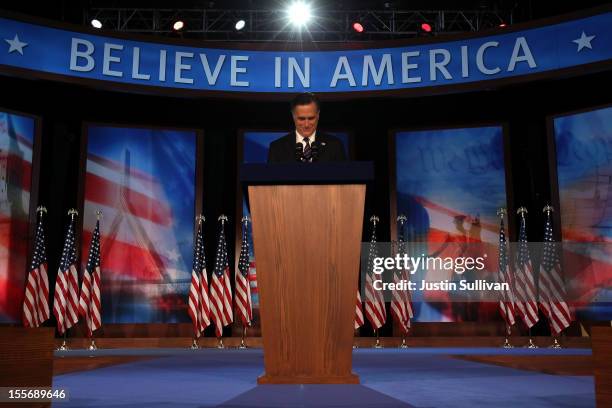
x=584, y=41
x=16, y=45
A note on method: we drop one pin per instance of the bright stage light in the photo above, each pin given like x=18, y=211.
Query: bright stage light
x=426, y=27
x=178, y=25
x=240, y=24
x=357, y=26
x=95, y=23
x=299, y=13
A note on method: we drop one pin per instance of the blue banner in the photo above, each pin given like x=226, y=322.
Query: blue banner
x=508, y=54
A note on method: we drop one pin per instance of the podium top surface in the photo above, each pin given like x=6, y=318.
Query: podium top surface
x=307, y=173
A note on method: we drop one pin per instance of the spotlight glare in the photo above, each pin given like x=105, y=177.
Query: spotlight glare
x=426, y=27
x=299, y=13
x=178, y=25
x=502, y=25
x=95, y=23
x=240, y=25
x=357, y=26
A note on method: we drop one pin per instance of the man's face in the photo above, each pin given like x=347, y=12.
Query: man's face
x=306, y=118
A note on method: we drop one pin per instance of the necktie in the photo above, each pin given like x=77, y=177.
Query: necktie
x=307, y=150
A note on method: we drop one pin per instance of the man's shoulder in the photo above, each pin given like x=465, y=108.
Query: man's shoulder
x=330, y=140
x=327, y=138
x=286, y=139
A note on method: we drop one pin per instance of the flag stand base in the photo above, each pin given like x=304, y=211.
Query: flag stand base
x=403, y=345
x=194, y=345
x=531, y=344
x=555, y=345
x=507, y=344
x=220, y=344
x=377, y=345
x=63, y=347
x=92, y=346
x=242, y=342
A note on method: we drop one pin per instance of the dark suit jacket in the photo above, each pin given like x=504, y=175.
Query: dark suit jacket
x=283, y=150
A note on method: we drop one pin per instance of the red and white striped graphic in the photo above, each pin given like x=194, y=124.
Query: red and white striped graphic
x=90, y=305
x=16, y=179
x=139, y=242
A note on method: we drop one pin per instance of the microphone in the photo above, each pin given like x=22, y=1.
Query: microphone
x=299, y=150
x=315, y=150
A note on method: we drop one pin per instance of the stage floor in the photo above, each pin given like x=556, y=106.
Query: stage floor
x=416, y=377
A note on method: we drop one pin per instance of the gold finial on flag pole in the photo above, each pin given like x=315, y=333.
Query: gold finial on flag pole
x=200, y=219
x=41, y=209
x=374, y=219
x=245, y=220
x=98, y=215
x=548, y=209
x=73, y=213
x=502, y=212
x=401, y=219
x=522, y=211
x=223, y=219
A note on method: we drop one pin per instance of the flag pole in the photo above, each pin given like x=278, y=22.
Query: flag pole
x=377, y=345
x=221, y=218
x=194, y=344
x=403, y=345
x=555, y=345
x=92, y=345
x=507, y=345
x=530, y=344
x=245, y=221
x=242, y=343
x=64, y=347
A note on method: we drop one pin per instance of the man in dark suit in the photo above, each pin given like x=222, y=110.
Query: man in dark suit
x=305, y=144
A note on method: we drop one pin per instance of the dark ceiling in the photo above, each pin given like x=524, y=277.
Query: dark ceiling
x=523, y=10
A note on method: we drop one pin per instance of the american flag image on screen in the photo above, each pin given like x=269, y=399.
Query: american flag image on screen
x=16, y=141
x=143, y=181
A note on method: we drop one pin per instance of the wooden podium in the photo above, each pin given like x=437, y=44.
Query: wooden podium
x=307, y=222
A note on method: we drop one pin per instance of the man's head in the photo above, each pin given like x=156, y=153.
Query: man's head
x=305, y=111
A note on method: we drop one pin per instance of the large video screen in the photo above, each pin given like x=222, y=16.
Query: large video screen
x=584, y=171
x=16, y=140
x=450, y=184
x=143, y=181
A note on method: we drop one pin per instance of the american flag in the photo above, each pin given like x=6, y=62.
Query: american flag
x=66, y=299
x=90, y=305
x=375, y=304
x=199, y=302
x=401, y=306
x=220, y=287
x=525, y=288
x=36, y=300
x=552, y=288
x=506, y=303
x=243, y=288
x=358, y=312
